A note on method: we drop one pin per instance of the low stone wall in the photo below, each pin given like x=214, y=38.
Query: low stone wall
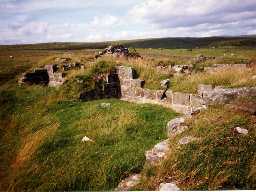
x=132, y=90
x=220, y=94
x=187, y=103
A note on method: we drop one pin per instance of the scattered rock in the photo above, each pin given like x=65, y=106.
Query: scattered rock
x=168, y=187
x=254, y=77
x=175, y=126
x=165, y=83
x=186, y=140
x=105, y=105
x=179, y=69
x=86, y=139
x=241, y=130
x=11, y=57
x=158, y=152
x=128, y=183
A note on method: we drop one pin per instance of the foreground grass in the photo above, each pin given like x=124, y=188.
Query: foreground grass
x=219, y=159
x=41, y=141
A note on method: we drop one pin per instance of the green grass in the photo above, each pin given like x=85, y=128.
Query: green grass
x=121, y=135
x=220, y=159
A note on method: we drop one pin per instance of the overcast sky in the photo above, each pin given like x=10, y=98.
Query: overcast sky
x=33, y=21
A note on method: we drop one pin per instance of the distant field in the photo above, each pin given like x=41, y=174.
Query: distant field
x=168, y=43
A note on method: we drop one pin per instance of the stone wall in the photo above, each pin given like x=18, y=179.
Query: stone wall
x=220, y=94
x=133, y=90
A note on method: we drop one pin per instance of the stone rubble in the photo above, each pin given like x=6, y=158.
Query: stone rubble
x=118, y=51
x=86, y=139
x=241, y=130
x=168, y=187
x=129, y=183
x=105, y=105
x=158, y=152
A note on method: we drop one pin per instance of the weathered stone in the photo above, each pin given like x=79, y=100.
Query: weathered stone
x=159, y=95
x=169, y=96
x=165, y=83
x=149, y=94
x=125, y=72
x=176, y=126
x=241, y=130
x=204, y=90
x=55, y=79
x=185, y=109
x=225, y=95
x=86, y=139
x=139, y=92
x=129, y=183
x=137, y=83
x=177, y=68
x=181, y=98
x=186, y=140
x=168, y=187
x=105, y=105
x=158, y=152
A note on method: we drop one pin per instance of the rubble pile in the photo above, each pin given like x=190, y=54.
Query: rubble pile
x=118, y=51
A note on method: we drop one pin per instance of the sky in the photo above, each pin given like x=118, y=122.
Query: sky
x=37, y=21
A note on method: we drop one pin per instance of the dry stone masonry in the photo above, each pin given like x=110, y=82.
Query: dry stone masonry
x=52, y=75
x=132, y=89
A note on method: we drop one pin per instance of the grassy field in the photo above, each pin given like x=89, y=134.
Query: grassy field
x=42, y=128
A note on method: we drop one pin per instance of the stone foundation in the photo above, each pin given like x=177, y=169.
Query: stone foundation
x=186, y=103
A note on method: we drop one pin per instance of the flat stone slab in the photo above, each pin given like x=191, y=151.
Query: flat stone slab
x=168, y=187
x=158, y=152
x=128, y=183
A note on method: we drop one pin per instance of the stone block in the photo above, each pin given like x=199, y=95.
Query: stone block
x=159, y=95
x=204, y=90
x=125, y=72
x=137, y=83
x=181, y=98
x=169, y=96
x=196, y=101
x=138, y=92
x=149, y=94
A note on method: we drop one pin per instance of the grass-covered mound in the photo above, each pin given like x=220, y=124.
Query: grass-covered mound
x=41, y=147
x=221, y=158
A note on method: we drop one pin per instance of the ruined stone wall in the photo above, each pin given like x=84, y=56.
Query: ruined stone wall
x=132, y=90
x=187, y=103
